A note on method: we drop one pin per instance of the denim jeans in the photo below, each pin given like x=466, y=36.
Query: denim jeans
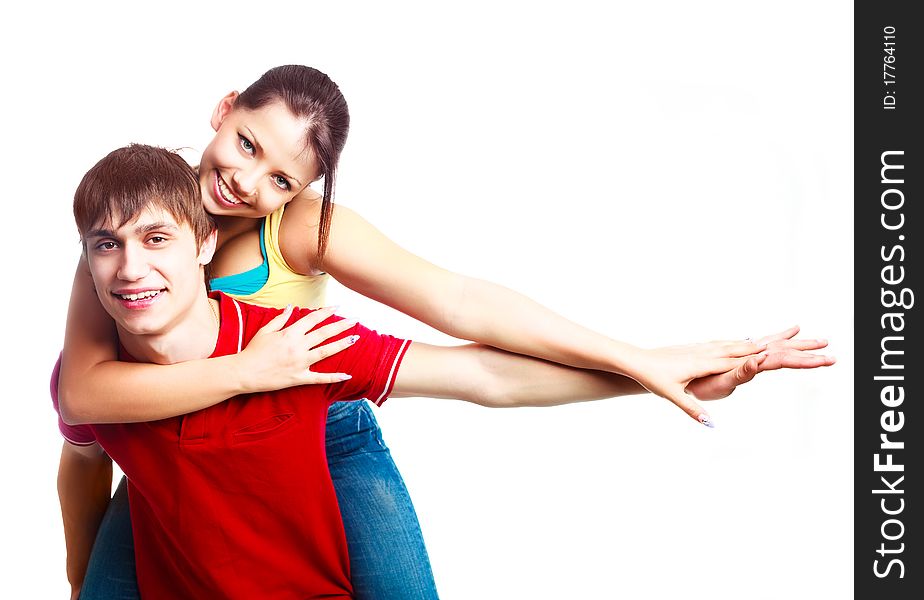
x=388, y=559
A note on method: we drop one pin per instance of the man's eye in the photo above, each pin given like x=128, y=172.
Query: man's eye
x=282, y=182
x=156, y=239
x=246, y=144
x=105, y=245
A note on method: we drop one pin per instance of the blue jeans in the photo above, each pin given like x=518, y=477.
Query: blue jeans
x=388, y=559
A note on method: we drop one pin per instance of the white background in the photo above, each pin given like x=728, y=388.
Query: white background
x=663, y=172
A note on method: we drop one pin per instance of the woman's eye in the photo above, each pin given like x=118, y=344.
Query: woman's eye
x=282, y=182
x=246, y=145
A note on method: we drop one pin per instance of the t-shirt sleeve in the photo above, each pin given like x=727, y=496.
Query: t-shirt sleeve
x=373, y=362
x=79, y=435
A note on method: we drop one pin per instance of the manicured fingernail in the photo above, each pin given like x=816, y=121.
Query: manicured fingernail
x=344, y=377
x=353, y=339
x=288, y=307
x=705, y=420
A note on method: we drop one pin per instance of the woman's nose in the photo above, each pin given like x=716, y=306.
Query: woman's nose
x=245, y=182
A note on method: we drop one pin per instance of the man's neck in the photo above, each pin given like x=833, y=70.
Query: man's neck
x=194, y=337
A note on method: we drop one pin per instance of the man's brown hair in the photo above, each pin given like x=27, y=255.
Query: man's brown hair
x=131, y=179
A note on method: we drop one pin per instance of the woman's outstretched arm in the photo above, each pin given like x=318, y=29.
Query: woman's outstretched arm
x=500, y=379
x=363, y=259
x=94, y=387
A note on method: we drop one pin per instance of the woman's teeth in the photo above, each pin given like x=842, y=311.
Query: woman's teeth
x=226, y=194
x=148, y=294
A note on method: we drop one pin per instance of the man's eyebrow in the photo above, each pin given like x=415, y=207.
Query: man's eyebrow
x=160, y=226
x=255, y=142
x=95, y=233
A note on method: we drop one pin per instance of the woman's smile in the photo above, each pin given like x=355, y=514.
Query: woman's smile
x=223, y=193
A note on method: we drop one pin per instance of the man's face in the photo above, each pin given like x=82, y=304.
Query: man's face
x=148, y=272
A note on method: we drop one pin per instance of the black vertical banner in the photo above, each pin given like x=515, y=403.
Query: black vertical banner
x=888, y=171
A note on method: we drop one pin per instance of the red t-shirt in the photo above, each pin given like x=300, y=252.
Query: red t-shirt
x=236, y=501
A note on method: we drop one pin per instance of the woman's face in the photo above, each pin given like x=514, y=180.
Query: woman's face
x=257, y=161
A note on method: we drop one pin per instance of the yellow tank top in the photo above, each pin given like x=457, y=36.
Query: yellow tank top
x=283, y=285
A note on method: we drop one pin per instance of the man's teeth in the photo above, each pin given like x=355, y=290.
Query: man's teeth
x=148, y=294
x=226, y=193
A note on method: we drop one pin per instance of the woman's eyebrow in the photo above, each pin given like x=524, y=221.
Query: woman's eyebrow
x=256, y=142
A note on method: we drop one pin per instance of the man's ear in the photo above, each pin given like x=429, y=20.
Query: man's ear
x=223, y=109
x=207, y=248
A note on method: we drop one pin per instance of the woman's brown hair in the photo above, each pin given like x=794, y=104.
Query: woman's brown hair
x=309, y=94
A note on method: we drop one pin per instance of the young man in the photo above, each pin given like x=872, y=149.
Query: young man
x=236, y=500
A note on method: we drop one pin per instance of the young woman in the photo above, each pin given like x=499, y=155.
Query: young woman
x=279, y=241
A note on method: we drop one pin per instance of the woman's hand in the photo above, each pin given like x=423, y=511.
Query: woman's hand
x=278, y=357
x=668, y=372
x=783, y=352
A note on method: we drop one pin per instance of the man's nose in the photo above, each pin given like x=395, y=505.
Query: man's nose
x=134, y=265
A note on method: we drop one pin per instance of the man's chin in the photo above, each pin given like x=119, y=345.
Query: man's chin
x=139, y=329
x=136, y=324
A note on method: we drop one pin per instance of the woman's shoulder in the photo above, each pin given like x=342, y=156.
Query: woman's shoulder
x=299, y=227
x=298, y=233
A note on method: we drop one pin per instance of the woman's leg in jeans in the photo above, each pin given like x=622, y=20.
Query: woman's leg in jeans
x=388, y=559
x=111, y=570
